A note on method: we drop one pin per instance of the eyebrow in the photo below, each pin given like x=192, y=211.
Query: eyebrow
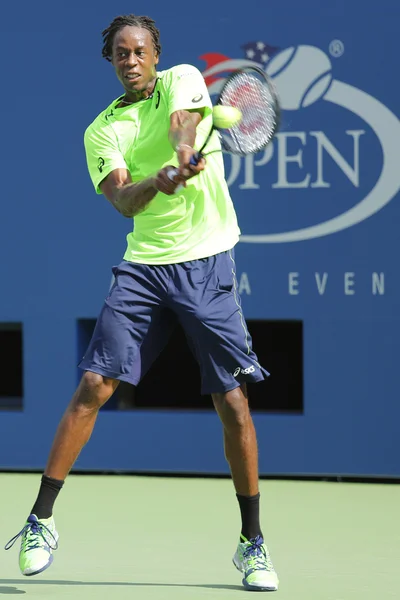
x=121, y=47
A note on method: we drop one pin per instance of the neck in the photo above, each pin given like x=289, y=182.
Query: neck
x=132, y=97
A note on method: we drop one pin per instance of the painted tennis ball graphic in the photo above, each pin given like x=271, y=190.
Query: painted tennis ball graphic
x=301, y=74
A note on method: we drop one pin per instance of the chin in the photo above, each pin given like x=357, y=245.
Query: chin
x=137, y=89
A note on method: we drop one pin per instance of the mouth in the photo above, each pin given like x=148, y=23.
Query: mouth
x=132, y=77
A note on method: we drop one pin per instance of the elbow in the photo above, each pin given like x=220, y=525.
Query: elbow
x=125, y=212
x=122, y=207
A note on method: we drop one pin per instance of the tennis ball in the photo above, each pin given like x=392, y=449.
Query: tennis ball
x=225, y=117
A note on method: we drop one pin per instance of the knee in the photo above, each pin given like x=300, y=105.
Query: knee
x=233, y=408
x=93, y=391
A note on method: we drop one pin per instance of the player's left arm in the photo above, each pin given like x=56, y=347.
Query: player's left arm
x=189, y=103
x=182, y=136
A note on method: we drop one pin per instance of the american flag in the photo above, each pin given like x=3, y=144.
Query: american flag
x=259, y=51
x=219, y=64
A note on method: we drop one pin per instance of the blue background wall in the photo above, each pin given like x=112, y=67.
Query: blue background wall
x=58, y=239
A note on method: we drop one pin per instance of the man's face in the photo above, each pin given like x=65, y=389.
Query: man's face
x=134, y=59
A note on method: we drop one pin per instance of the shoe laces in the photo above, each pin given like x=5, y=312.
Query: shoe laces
x=256, y=555
x=34, y=531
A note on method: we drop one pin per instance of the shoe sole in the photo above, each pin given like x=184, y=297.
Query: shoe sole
x=254, y=588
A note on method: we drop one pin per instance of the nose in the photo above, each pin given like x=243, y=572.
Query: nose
x=131, y=59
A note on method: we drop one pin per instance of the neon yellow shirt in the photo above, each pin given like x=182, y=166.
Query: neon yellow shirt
x=196, y=222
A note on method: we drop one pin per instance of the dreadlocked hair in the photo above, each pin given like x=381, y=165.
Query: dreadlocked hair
x=134, y=21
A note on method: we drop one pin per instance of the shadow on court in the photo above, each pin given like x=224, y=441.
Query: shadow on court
x=6, y=590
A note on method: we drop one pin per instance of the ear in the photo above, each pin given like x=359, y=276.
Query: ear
x=157, y=58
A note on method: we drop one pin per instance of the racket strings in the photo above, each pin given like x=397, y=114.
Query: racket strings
x=258, y=104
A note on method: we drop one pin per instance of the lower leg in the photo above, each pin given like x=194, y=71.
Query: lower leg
x=77, y=424
x=241, y=452
x=72, y=434
x=242, y=456
x=240, y=441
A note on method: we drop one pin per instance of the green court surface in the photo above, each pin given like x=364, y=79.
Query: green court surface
x=169, y=538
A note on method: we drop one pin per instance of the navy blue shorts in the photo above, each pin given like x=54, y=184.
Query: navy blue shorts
x=141, y=311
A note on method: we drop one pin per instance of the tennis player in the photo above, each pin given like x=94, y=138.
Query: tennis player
x=179, y=259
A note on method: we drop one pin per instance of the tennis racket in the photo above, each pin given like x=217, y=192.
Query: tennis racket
x=253, y=93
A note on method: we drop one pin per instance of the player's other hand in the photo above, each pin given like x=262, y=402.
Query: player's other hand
x=165, y=184
x=186, y=169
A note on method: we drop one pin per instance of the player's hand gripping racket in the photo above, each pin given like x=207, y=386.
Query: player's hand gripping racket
x=253, y=94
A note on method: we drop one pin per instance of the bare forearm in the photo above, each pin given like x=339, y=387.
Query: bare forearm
x=183, y=129
x=182, y=137
x=133, y=198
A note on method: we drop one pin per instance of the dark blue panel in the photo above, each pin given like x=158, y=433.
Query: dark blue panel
x=319, y=213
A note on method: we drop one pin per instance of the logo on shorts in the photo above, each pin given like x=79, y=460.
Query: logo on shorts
x=100, y=164
x=197, y=98
x=247, y=371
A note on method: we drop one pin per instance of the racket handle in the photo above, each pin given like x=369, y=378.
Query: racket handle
x=171, y=174
x=195, y=158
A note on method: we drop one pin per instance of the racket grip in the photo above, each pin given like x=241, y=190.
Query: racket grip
x=171, y=174
x=195, y=158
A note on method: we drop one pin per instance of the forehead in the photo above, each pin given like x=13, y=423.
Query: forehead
x=130, y=36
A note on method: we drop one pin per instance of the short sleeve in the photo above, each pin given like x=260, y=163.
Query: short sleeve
x=186, y=89
x=102, y=153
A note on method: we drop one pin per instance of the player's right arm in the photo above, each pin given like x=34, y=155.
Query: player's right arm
x=131, y=198
x=111, y=177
